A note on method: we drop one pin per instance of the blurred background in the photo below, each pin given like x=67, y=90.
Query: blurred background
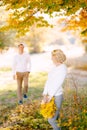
x=40, y=41
x=43, y=25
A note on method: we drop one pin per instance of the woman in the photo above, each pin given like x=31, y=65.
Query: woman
x=53, y=86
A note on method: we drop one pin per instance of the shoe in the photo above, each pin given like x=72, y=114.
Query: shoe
x=20, y=102
x=25, y=96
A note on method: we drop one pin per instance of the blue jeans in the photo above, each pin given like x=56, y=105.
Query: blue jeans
x=53, y=121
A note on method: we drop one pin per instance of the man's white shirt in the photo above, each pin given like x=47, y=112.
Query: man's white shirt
x=21, y=63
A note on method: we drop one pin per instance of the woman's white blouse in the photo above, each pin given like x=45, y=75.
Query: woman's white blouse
x=56, y=77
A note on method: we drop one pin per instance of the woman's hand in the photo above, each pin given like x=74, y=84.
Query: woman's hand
x=46, y=99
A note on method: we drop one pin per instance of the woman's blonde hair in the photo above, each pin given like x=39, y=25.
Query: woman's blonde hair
x=59, y=55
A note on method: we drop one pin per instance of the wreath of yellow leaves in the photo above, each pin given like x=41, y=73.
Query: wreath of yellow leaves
x=48, y=109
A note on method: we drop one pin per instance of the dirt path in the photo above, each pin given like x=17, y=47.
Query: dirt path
x=80, y=77
x=40, y=62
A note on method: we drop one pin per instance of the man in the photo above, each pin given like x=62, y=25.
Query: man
x=21, y=70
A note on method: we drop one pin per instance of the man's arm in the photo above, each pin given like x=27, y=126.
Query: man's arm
x=29, y=64
x=14, y=68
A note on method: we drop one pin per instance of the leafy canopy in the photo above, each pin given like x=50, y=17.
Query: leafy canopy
x=22, y=13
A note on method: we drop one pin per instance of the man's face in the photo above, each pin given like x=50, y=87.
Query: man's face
x=21, y=47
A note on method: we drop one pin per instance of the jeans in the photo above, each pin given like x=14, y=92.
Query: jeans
x=53, y=121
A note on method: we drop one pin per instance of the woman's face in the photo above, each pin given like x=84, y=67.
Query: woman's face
x=54, y=59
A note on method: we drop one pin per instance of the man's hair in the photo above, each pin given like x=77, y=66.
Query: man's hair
x=20, y=44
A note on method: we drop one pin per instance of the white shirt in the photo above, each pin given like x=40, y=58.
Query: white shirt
x=21, y=63
x=56, y=76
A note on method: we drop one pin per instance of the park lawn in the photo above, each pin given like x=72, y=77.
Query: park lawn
x=8, y=94
x=27, y=116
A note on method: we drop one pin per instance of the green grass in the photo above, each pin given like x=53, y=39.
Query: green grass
x=74, y=112
x=5, y=69
x=36, y=84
